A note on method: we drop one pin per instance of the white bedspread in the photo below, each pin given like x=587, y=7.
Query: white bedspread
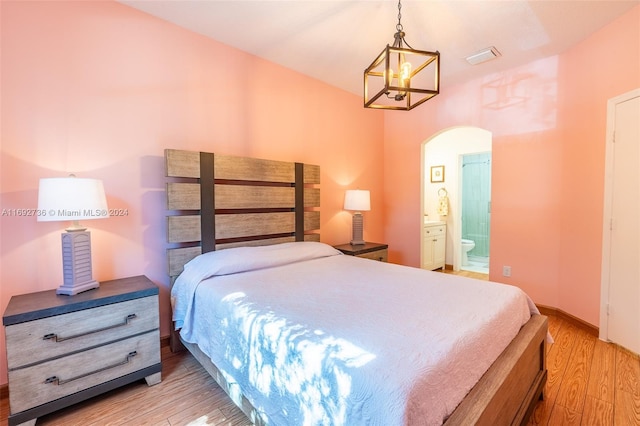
x=314, y=337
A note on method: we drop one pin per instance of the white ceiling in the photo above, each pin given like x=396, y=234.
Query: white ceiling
x=335, y=40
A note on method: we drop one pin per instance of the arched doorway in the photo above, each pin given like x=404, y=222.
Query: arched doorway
x=445, y=153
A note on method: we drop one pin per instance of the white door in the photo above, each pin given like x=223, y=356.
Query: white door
x=621, y=245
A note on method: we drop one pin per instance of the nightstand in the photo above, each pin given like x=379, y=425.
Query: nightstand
x=375, y=251
x=64, y=349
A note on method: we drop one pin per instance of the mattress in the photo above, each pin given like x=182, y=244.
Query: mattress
x=314, y=337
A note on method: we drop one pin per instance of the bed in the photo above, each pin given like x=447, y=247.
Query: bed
x=297, y=333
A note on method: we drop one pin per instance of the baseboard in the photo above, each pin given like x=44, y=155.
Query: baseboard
x=590, y=328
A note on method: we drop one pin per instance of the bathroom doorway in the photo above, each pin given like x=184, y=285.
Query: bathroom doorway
x=443, y=152
x=475, y=211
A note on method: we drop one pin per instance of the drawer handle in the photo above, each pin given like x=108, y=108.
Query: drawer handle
x=56, y=338
x=56, y=380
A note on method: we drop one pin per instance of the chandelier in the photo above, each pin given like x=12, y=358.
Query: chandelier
x=401, y=78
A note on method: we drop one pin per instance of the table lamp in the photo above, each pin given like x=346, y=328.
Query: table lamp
x=357, y=200
x=74, y=199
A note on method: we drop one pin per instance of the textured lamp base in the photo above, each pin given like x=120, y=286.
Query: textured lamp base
x=356, y=231
x=77, y=288
x=76, y=263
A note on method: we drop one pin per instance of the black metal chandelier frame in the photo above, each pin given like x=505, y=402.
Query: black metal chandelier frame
x=397, y=91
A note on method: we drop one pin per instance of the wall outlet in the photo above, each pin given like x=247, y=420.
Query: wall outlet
x=506, y=271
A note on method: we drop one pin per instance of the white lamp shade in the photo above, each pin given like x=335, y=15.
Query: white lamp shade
x=357, y=200
x=71, y=198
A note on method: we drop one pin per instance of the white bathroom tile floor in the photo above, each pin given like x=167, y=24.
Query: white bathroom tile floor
x=477, y=264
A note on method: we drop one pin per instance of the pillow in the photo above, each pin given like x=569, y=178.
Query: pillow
x=243, y=259
x=235, y=260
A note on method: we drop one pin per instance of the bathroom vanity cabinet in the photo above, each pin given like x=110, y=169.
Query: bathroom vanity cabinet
x=434, y=245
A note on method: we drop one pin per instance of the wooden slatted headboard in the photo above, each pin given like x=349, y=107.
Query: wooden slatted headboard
x=220, y=201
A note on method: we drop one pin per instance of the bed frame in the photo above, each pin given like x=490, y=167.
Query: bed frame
x=217, y=201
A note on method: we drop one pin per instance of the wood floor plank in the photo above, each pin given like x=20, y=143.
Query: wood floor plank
x=597, y=412
x=558, y=355
x=109, y=408
x=201, y=413
x=626, y=408
x=238, y=419
x=171, y=408
x=573, y=387
x=627, y=371
x=154, y=397
x=541, y=413
x=469, y=274
x=144, y=422
x=603, y=368
x=204, y=410
x=558, y=358
x=85, y=413
x=563, y=416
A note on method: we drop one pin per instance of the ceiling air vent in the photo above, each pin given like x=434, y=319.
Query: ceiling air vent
x=483, y=55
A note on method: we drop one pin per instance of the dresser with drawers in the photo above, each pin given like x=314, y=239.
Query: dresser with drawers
x=64, y=349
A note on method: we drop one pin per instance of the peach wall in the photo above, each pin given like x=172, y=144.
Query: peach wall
x=100, y=89
x=588, y=86
x=548, y=122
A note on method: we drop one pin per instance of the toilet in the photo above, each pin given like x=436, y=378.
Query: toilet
x=467, y=245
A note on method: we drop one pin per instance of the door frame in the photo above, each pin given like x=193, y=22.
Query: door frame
x=606, y=217
x=460, y=140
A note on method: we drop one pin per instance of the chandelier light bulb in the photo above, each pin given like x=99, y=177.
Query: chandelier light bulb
x=389, y=77
x=405, y=73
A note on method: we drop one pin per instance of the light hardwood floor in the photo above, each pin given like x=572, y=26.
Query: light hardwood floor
x=590, y=383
